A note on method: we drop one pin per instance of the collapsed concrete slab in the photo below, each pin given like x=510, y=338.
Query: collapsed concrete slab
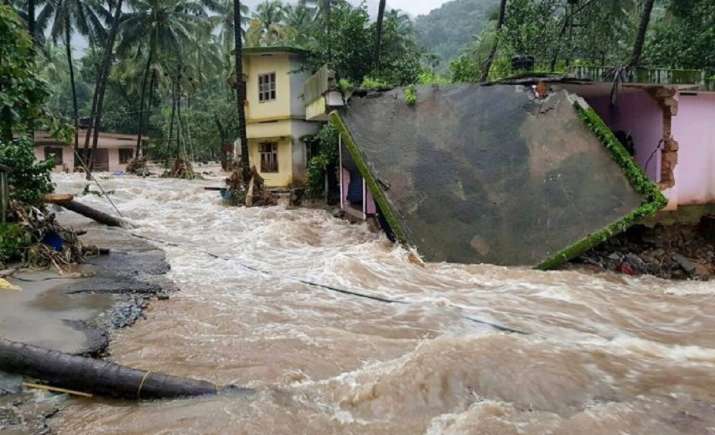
x=492, y=174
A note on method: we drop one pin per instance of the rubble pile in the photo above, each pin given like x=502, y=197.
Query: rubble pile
x=139, y=167
x=183, y=169
x=53, y=245
x=254, y=195
x=667, y=251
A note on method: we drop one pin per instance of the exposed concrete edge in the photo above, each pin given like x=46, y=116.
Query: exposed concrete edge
x=654, y=201
x=378, y=194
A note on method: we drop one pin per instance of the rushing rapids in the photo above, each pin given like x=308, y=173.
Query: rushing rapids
x=603, y=354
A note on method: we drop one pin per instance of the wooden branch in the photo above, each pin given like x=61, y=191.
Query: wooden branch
x=55, y=390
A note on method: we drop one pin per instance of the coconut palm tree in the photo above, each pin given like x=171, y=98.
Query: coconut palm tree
x=299, y=22
x=323, y=9
x=27, y=9
x=101, y=83
x=63, y=18
x=223, y=22
x=493, y=52
x=640, y=36
x=322, y=14
x=154, y=28
x=241, y=93
x=267, y=24
x=378, y=37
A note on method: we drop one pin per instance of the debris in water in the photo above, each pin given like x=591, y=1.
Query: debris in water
x=181, y=168
x=252, y=194
x=139, y=167
x=44, y=229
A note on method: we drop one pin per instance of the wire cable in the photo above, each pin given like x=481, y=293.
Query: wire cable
x=330, y=288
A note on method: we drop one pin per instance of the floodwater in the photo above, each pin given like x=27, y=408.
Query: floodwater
x=602, y=354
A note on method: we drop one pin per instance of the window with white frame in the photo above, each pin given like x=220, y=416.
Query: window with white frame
x=267, y=87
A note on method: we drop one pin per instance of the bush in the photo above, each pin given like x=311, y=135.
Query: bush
x=317, y=167
x=29, y=179
x=22, y=98
x=326, y=160
x=375, y=83
x=411, y=95
x=13, y=240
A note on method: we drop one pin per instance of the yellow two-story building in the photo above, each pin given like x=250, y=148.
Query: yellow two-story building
x=275, y=111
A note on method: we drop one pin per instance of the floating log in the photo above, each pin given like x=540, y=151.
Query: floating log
x=94, y=214
x=97, y=377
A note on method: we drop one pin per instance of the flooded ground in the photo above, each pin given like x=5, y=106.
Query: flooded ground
x=602, y=354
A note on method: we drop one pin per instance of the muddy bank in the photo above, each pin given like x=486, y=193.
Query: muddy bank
x=676, y=251
x=76, y=313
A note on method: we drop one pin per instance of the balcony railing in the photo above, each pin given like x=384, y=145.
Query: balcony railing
x=659, y=76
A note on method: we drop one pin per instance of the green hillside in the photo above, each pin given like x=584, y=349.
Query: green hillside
x=445, y=31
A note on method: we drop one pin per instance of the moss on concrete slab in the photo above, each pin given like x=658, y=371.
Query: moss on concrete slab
x=653, y=202
x=386, y=208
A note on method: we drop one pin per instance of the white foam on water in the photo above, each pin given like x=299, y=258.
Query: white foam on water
x=600, y=347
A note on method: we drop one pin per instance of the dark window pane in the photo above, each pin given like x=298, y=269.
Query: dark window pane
x=125, y=155
x=267, y=87
x=54, y=154
x=269, y=157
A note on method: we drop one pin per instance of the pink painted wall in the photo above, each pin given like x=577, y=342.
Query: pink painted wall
x=371, y=208
x=344, y=183
x=68, y=159
x=694, y=129
x=641, y=116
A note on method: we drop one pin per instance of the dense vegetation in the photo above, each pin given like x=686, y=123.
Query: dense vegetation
x=446, y=31
x=176, y=83
x=22, y=97
x=559, y=34
x=165, y=68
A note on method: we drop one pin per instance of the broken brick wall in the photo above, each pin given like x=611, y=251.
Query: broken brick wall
x=667, y=100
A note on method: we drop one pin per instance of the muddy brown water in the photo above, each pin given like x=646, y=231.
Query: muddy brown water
x=605, y=354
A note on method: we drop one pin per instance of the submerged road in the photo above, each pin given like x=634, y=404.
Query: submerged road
x=604, y=354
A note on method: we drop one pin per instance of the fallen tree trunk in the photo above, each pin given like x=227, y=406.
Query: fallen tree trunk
x=58, y=198
x=94, y=214
x=101, y=378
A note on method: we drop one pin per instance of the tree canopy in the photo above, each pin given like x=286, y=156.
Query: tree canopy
x=171, y=71
x=562, y=33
